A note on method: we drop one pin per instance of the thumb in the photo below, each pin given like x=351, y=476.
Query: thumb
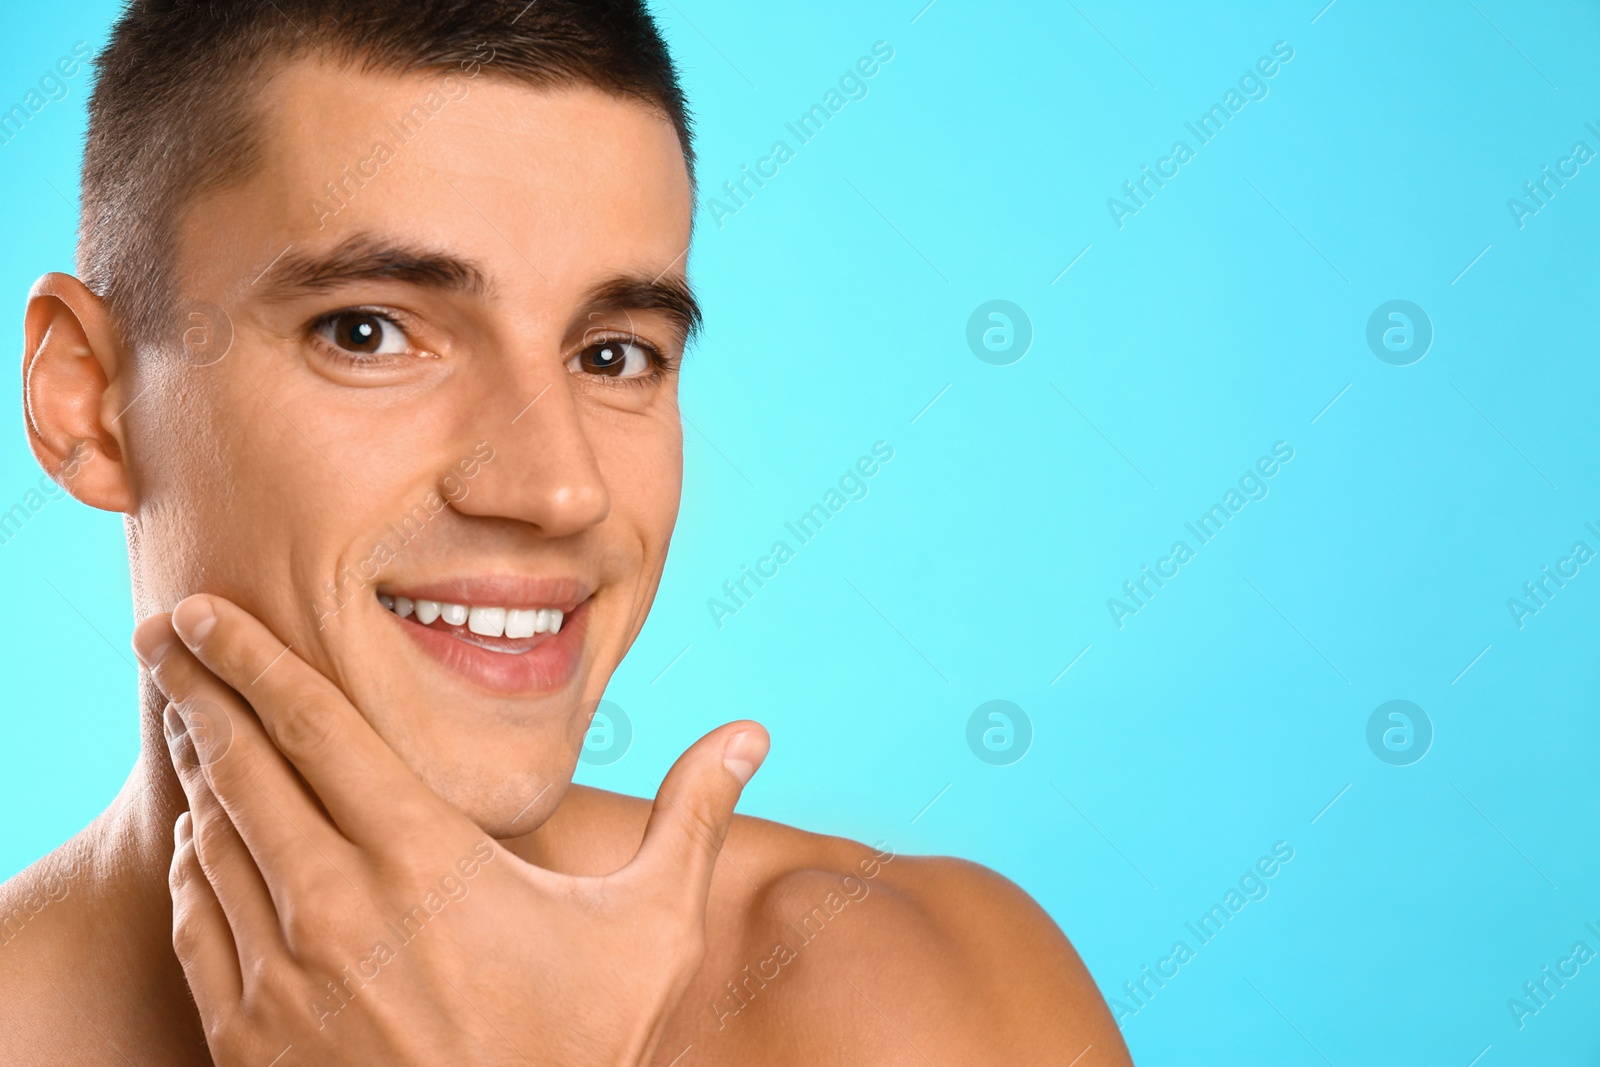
x=694, y=806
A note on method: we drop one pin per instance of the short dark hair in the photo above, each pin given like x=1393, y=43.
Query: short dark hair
x=173, y=110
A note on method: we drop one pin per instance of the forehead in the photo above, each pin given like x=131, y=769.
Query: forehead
x=548, y=187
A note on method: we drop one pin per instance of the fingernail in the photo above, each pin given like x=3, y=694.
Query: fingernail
x=193, y=619
x=183, y=829
x=175, y=725
x=151, y=642
x=744, y=754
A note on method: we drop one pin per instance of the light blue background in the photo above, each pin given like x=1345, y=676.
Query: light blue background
x=1223, y=317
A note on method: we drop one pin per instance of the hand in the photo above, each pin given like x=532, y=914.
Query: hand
x=348, y=914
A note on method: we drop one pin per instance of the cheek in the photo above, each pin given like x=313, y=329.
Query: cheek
x=193, y=463
x=664, y=487
x=643, y=469
x=234, y=499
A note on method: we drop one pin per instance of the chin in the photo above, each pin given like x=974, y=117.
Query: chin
x=505, y=797
x=481, y=684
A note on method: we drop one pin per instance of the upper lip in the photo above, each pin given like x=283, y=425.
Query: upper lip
x=497, y=590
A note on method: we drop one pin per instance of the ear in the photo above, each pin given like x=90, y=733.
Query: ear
x=73, y=378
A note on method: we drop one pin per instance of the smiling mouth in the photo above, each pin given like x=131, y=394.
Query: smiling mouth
x=510, y=630
x=511, y=635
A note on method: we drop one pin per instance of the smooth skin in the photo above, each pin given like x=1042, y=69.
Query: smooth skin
x=357, y=772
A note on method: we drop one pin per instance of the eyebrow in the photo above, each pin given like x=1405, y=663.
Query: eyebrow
x=365, y=257
x=668, y=294
x=368, y=258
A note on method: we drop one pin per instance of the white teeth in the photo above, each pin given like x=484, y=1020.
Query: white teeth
x=486, y=622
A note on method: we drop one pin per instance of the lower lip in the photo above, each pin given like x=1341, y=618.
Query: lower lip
x=544, y=668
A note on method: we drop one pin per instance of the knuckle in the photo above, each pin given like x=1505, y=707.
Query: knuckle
x=325, y=885
x=261, y=979
x=185, y=935
x=321, y=910
x=234, y=774
x=187, y=932
x=706, y=831
x=209, y=729
x=225, y=649
x=171, y=677
x=405, y=879
x=178, y=673
x=301, y=725
x=268, y=991
x=310, y=930
x=213, y=837
x=183, y=867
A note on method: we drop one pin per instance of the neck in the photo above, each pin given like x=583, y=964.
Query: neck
x=112, y=936
x=153, y=797
x=115, y=920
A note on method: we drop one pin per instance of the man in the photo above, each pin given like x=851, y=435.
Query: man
x=376, y=346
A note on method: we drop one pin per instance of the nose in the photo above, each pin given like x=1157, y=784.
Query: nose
x=543, y=471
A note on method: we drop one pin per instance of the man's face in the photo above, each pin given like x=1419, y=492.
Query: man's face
x=444, y=384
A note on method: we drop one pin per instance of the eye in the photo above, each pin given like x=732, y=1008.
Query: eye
x=364, y=333
x=615, y=358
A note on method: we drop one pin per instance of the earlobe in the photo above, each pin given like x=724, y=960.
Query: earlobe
x=72, y=376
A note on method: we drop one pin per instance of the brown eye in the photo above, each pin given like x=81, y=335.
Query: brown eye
x=363, y=333
x=612, y=359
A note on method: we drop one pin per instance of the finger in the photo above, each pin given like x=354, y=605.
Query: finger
x=230, y=871
x=293, y=843
x=694, y=808
x=201, y=936
x=370, y=793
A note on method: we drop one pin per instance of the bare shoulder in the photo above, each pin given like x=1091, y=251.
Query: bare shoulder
x=855, y=953
x=38, y=940
x=80, y=969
